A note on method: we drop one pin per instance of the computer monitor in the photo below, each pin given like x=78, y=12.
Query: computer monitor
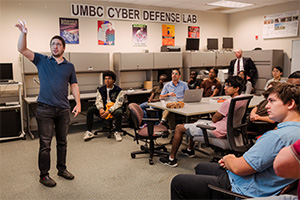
x=227, y=43
x=6, y=72
x=212, y=44
x=192, y=44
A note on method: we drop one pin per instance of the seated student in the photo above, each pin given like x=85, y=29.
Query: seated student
x=251, y=174
x=211, y=86
x=277, y=73
x=233, y=87
x=109, y=102
x=287, y=158
x=155, y=93
x=294, y=78
x=248, y=87
x=260, y=113
x=193, y=83
x=174, y=89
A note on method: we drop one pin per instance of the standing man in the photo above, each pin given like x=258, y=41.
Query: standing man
x=211, y=86
x=109, y=101
x=173, y=89
x=193, y=83
x=53, y=110
x=243, y=64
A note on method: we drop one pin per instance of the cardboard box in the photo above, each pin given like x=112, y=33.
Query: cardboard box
x=148, y=85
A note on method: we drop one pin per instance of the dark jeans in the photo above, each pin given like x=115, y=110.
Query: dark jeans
x=51, y=119
x=189, y=186
x=117, y=114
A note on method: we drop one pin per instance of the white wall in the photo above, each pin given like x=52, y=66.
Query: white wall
x=43, y=22
x=243, y=26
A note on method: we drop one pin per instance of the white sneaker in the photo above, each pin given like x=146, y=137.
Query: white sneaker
x=88, y=135
x=118, y=136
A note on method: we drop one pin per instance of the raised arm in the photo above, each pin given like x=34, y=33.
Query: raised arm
x=22, y=43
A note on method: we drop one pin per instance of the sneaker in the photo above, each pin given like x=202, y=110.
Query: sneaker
x=188, y=153
x=88, y=135
x=66, y=174
x=143, y=126
x=167, y=161
x=47, y=181
x=118, y=136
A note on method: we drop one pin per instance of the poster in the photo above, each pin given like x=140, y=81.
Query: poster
x=106, y=33
x=69, y=30
x=139, y=34
x=168, y=35
x=193, y=32
x=281, y=25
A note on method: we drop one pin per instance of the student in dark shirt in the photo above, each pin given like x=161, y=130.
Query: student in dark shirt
x=211, y=86
x=193, y=83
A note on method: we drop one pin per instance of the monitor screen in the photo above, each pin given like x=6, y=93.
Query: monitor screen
x=227, y=43
x=6, y=72
x=192, y=44
x=212, y=44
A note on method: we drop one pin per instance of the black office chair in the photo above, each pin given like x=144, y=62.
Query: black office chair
x=237, y=140
x=148, y=134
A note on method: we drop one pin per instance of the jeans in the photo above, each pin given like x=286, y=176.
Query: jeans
x=117, y=114
x=189, y=186
x=143, y=107
x=52, y=119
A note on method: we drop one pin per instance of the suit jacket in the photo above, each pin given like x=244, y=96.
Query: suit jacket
x=249, y=67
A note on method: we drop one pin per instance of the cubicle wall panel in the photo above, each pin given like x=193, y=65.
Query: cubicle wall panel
x=260, y=83
x=203, y=59
x=224, y=58
x=89, y=62
x=263, y=70
x=167, y=60
x=32, y=85
x=88, y=82
x=135, y=61
x=133, y=79
x=259, y=55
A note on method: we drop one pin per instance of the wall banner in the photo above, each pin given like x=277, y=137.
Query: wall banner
x=69, y=30
x=281, y=25
x=122, y=13
x=168, y=35
x=139, y=34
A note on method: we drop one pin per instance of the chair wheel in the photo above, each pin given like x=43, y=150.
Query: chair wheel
x=151, y=161
x=108, y=136
x=132, y=155
x=143, y=147
x=165, y=149
x=24, y=137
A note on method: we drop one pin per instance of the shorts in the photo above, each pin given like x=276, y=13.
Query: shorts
x=192, y=129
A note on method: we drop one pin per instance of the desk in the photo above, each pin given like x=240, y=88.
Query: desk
x=198, y=108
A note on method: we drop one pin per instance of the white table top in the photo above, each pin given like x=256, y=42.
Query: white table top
x=198, y=108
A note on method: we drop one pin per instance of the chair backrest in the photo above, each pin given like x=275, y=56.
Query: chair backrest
x=236, y=124
x=136, y=114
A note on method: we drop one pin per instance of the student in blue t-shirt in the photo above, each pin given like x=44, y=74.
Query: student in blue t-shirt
x=251, y=174
x=53, y=110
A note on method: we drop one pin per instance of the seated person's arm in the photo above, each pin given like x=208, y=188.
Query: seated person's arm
x=151, y=98
x=168, y=94
x=238, y=166
x=286, y=165
x=119, y=102
x=99, y=103
x=265, y=119
x=217, y=117
x=215, y=93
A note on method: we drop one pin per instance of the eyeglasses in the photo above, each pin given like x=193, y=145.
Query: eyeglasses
x=227, y=85
x=174, y=73
x=56, y=44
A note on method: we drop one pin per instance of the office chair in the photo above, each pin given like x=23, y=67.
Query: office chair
x=237, y=140
x=148, y=134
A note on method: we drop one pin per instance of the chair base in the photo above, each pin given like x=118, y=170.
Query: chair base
x=146, y=150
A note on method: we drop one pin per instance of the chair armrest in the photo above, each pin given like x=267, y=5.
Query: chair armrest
x=206, y=127
x=151, y=112
x=261, y=122
x=227, y=192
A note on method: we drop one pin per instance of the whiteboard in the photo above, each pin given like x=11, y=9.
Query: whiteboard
x=295, y=65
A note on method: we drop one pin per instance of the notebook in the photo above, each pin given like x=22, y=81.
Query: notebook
x=193, y=95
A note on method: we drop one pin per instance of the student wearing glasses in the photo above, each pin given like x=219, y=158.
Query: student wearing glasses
x=277, y=73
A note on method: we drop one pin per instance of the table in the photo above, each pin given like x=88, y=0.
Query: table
x=198, y=108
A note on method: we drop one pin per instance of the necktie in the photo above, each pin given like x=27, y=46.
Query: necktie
x=238, y=66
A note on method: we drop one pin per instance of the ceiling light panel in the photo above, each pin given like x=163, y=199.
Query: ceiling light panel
x=229, y=4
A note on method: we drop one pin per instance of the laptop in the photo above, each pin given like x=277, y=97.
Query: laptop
x=193, y=95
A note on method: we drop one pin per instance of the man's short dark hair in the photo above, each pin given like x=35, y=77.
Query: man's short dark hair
x=295, y=74
x=236, y=82
x=109, y=73
x=59, y=38
x=288, y=92
x=194, y=71
x=176, y=70
x=216, y=71
x=278, y=67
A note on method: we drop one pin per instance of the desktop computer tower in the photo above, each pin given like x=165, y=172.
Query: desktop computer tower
x=10, y=123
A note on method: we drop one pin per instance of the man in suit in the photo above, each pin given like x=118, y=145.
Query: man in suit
x=243, y=64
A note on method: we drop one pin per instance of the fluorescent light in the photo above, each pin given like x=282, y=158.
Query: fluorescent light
x=229, y=4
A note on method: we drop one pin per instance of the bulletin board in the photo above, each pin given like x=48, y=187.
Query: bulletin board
x=281, y=25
